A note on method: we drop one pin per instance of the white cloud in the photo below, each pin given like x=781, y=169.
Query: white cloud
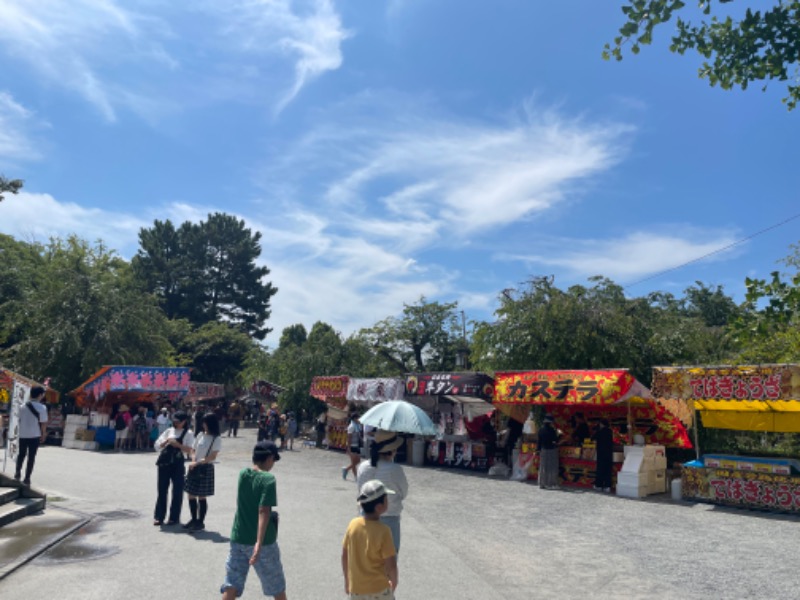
x=634, y=256
x=117, y=57
x=15, y=123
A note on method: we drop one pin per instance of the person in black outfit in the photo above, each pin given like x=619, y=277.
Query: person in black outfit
x=604, y=440
x=547, y=445
x=514, y=433
x=580, y=430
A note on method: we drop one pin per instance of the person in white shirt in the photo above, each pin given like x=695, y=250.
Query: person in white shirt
x=354, y=432
x=32, y=432
x=163, y=421
x=200, y=479
x=172, y=445
x=382, y=467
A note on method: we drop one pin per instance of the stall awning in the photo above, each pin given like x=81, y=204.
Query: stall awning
x=614, y=394
x=266, y=390
x=7, y=378
x=200, y=391
x=744, y=397
x=124, y=382
x=373, y=391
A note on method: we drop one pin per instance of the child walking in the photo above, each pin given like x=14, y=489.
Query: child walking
x=369, y=560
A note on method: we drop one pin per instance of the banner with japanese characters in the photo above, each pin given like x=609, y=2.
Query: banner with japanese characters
x=746, y=489
x=476, y=385
x=600, y=388
x=19, y=395
x=759, y=382
x=372, y=391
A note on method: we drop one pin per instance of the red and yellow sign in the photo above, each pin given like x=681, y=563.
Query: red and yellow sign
x=745, y=489
x=600, y=388
x=331, y=390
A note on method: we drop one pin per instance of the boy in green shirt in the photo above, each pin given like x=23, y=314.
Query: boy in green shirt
x=369, y=560
x=255, y=529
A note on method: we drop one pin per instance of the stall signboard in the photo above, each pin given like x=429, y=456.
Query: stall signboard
x=120, y=379
x=265, y=389
x=476, y=385
x=372, y=391
x=19, y=394
x=758, y=382
x=741, y=397
x=743, y=489
x=601, y=387
x=200, y=391
x=331, y=389
x=461, y=455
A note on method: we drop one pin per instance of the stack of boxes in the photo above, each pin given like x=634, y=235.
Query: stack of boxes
x=77, y=435
x=643, y=472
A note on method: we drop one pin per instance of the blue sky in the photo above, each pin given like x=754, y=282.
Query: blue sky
x=390, y=150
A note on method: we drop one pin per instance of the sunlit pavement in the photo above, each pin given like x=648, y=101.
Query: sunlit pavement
x=464, y=537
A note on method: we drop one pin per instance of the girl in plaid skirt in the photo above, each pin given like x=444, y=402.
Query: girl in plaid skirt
x=200, y=478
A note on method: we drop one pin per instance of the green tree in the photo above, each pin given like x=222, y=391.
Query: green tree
x=590, y=327
x=81, y=310
x=207, y=272
x=425, y=338
x=760, y=45
x=217, y=352
x=11, y=186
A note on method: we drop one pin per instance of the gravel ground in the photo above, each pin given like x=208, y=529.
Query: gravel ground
x=464, y=537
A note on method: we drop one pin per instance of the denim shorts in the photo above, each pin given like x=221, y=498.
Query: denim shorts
x=268, y=568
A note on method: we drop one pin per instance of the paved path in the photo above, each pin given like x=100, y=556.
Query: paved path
x=464, y=537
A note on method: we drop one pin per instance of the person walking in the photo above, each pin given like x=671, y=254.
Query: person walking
x=604, y=443
x=353, y=446
x=200, y=478
x=369, y=560
x=234, y=416
x=32, y=432
x=172, y=446
x=254, y=536
x=547, y=445
x=381, y=466
x=291, y=429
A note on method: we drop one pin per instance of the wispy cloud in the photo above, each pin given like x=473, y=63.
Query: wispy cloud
x=117, y=57
x=633, y=256
x=16, y=143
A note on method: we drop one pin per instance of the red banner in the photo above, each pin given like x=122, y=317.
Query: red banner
x=329, y=388
x=602, y=387
x=742, y=488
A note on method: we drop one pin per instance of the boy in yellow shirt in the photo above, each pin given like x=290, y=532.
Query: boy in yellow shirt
x=369, y=561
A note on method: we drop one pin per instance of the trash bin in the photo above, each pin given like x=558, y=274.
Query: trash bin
x=677, y=489
x=418, y=453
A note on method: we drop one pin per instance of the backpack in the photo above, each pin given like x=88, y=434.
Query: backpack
x=119, y=424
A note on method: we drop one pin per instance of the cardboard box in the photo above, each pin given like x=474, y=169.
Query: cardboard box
x=631, y=491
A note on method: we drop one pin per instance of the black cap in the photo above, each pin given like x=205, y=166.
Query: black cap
x=265, y=449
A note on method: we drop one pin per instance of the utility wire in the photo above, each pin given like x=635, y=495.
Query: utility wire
x=728, y=247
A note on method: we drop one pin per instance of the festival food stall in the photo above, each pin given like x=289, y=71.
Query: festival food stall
x=116, y=385
x=613, y=394
x=459, y=404
x=762, y=398
x=202, y=393
x=332, y=390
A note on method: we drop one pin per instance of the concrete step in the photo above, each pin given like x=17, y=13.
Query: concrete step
x=30, y=536
x=8, y=495
x=19, y=508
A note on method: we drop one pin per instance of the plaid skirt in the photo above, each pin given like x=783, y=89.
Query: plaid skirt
x=200, y=481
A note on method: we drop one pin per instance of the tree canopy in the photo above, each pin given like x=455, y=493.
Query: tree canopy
x=10, y=186
x=207, y=272
x=760, y=44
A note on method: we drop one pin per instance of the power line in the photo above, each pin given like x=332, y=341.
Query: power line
x=728, y=247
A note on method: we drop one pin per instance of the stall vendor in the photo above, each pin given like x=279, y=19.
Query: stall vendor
x=547, y=445
x=580, y=431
